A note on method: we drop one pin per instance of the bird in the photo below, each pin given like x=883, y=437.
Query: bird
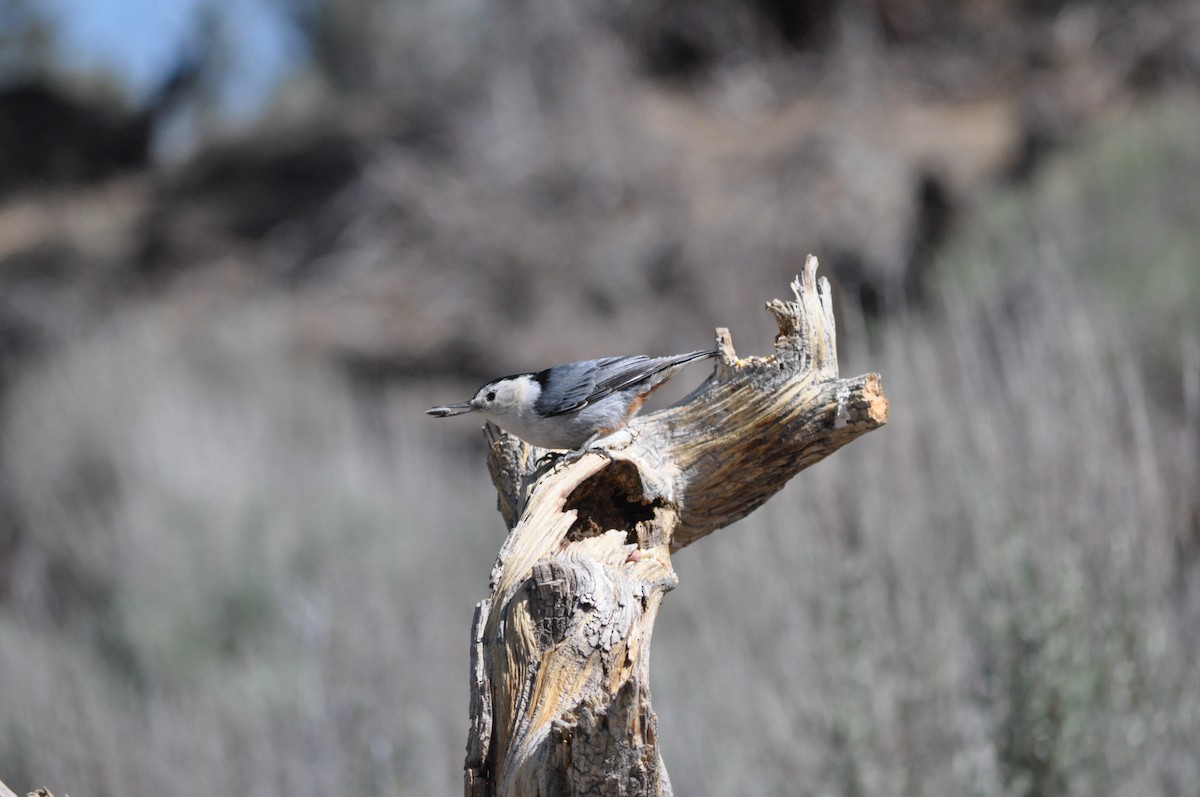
x=572, y=406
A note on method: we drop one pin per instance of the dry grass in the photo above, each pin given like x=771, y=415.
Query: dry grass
x=237, y=579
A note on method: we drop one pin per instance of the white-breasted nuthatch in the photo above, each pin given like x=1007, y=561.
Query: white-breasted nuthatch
x=572, y=406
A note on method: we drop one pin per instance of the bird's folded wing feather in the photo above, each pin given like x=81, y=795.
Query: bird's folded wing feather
x=608, y=375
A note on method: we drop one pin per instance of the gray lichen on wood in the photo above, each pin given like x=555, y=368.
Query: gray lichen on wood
x=560, y=701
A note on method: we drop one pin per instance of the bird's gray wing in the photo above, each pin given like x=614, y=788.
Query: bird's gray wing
x=592, y=380
x=566, y=388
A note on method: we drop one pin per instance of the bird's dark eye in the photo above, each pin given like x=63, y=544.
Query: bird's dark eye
x=491, y=396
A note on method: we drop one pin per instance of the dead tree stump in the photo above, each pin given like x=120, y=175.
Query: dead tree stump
x=560, y=699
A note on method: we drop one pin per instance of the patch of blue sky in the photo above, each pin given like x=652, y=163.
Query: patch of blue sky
x=138, y=43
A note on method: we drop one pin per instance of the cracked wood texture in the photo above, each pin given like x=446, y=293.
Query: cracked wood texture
x=560, y=701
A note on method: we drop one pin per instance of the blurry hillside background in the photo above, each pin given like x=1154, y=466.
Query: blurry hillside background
x=244, y=244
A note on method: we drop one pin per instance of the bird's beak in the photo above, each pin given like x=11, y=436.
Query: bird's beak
x=450, y=409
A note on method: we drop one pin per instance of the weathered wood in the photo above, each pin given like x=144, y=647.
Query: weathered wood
x=560, y=700
x=7, y=792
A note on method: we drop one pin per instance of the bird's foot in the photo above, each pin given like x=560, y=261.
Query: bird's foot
x=547, y=458
x=563, y=459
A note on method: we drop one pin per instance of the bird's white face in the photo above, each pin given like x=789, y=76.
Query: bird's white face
x=506, y=398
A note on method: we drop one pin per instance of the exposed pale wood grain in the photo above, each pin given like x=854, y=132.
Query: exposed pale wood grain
x=560, y=700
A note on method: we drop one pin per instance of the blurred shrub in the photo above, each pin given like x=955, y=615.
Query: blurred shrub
x=228, y=559
x=992, y=595
x=1121, y=214
x=234, y=573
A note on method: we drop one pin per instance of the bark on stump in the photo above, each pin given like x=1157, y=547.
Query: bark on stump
x=560, y=700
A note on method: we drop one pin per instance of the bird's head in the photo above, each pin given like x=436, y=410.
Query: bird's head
x=499, y=399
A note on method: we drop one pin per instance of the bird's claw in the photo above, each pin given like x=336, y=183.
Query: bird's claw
x=563, y=459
